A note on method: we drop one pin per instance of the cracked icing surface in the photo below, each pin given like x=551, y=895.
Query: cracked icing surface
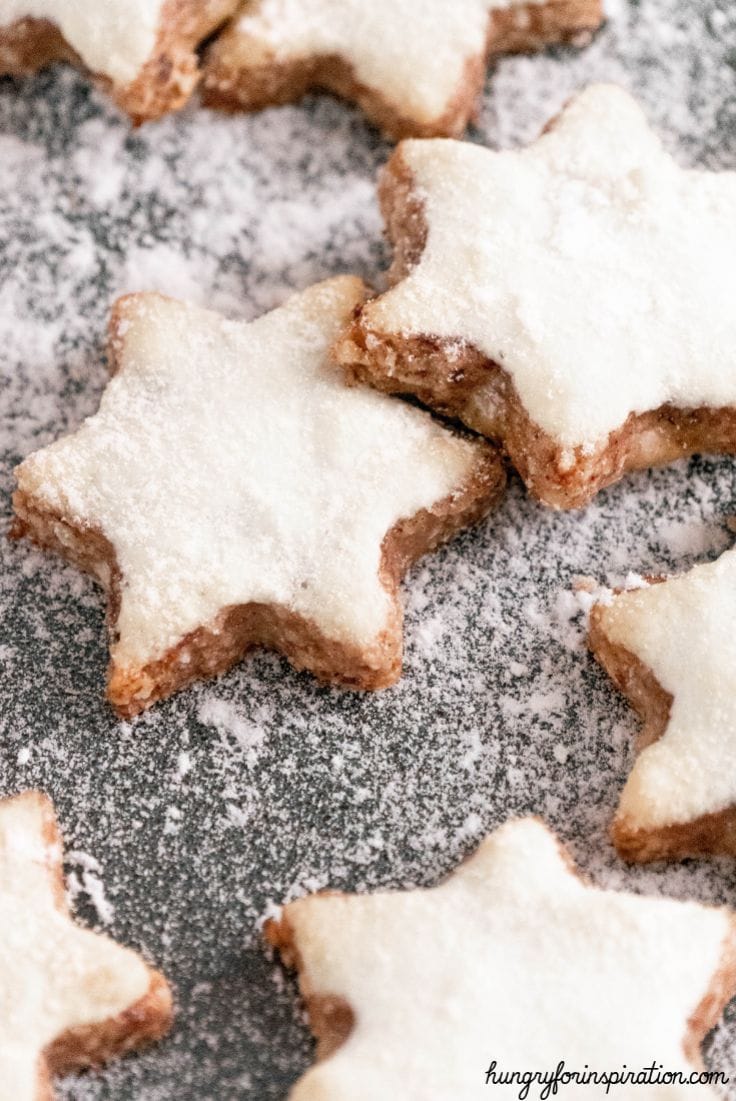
x=114, y=38
x=238, y=794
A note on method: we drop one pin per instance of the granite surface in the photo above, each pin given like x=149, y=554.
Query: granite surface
x=190, y=823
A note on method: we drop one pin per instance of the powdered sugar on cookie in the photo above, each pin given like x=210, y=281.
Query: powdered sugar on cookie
x=415, y=53
x=229, y=465
x=207, y=198
x=589, y=266
x=514, y=960
x=414, y=66
x=114, y=38
x=683, y=632
x=54, y=975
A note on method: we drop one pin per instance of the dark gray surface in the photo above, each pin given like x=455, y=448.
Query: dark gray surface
x=238, y=793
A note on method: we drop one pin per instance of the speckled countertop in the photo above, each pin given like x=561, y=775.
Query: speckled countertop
x=241, y=792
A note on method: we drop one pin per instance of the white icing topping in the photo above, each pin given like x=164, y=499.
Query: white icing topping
x=683, y=630
x=589, y=266
x=54, y=976
x=112, y=37
x=513, y=959
x=413, y=52
x=230, y=463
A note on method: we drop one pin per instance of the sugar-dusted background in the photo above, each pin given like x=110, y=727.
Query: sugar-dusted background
x=189, y=823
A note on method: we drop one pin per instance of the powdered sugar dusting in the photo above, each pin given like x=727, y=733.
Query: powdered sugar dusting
x=241, y=793
x=235, y=731
x=85, y=882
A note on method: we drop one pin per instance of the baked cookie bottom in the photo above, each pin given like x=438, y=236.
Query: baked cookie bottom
x=165, y=82
x=240, y=74
x=215, y=647
x=459, y=380
x=708, y=835
x=143, y=1023
x=80, y=1048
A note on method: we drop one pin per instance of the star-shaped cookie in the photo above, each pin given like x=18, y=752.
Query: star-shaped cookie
x=416, y=67
x=142, y=51
x=69, y=998
x=670, y=647
x=572, y=299
x=511, y=965
x=232, y=490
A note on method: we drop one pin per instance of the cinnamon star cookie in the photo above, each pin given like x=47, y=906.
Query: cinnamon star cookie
x=69, y=998
x=572, y=299
x=511, y=965
x=142, y=51
x=671, y=648
x=416, y=67
x=233, y=491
